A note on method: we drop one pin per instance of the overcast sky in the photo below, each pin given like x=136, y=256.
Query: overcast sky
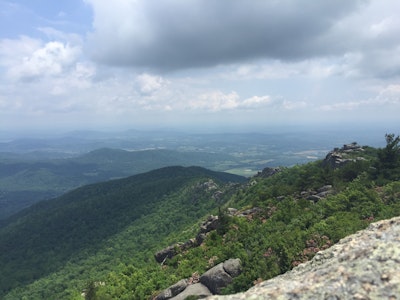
x=120, y=64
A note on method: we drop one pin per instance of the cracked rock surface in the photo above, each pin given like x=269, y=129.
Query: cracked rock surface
x=365, y=265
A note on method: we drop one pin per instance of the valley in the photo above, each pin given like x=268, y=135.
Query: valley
x=43, y=167
x=99, y=241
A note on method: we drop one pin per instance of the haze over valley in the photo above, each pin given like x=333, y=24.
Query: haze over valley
x=170, y=149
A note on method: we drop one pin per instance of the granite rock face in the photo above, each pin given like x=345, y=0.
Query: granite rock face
x=364, y=265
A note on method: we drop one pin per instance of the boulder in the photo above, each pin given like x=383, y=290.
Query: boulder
x=268, y=172
x=173, y=290
x=200, y=238
x=198, y=290
x=216, y=279
x=233, y=267
x=314, y=198
x=325, y=188
x=165, y=253
x=250, y=211
x=232, y=211
x=210, y=224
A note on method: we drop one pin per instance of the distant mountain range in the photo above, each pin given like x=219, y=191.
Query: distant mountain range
x=25, y=181
x=100, y=241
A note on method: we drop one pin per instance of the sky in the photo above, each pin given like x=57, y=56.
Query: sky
x=123, y=64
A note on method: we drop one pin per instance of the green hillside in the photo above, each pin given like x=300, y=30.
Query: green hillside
x=51, y=235
x=101, y=238
x=26, y=181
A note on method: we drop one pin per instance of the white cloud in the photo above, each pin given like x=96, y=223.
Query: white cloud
x=149, y=84
x=215, y=101
x=388, y=99
x=389, y=95
x=36, y=60
x=256, y=101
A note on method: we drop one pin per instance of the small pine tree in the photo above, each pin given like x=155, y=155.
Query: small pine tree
x=388, y=166
x=223, y=221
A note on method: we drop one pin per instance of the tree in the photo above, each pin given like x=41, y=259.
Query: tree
x=388, y=165
x=390, y=155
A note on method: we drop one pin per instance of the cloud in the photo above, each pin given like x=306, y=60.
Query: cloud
x=256, y=101
x=217, y=101
x=149, y=84
x=27, y=58
x=388, y=97
x=171, y=34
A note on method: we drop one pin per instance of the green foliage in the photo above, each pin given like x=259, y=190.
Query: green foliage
x=89, y=232
x=102, y=238
x=24, y=182
x=388, y=164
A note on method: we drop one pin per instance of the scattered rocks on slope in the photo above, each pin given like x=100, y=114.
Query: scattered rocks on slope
x=361, y=266
x=211, y=282
x=169, y=252
x=316, y=195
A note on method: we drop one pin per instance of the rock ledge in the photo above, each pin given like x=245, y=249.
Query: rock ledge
x=361, y=266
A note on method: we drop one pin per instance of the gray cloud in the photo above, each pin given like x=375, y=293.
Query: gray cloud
x=172, y=34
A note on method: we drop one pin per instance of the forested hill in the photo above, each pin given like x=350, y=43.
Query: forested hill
x=43, y=238
x=99, y=241
x=24, y=181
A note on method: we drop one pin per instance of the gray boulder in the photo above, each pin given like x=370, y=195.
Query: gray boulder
x=173, y=290
x=165, y=253
x=216, y=278
x=199, y=290
x=233, y=267
x=210, y=224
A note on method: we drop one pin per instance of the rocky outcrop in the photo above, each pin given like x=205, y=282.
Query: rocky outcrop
x=165, y=253
x=268, y=172
x=361, y=266
x=210, y=283
x=169, y=252
x=210, y=224
x=340, y=157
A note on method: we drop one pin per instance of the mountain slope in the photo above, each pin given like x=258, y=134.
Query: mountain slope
x=279, y=219
x=26, y=181
x=43, y=238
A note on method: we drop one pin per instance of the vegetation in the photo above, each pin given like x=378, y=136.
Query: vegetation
x=101, y=239
x=24, y=182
